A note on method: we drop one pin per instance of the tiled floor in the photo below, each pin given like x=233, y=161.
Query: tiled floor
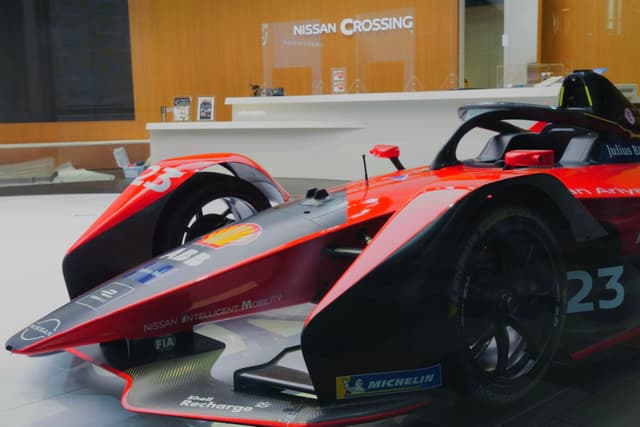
x=37, y=227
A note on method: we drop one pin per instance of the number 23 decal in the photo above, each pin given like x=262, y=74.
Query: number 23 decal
x=162, y=182
x=577, y=303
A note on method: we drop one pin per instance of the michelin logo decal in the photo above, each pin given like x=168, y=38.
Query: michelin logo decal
x=388, y=382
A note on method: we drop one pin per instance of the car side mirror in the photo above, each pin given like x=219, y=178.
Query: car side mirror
x=529, y=158
x=391, y=152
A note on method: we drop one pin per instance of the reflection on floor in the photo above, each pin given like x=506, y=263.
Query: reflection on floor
x=61, y=390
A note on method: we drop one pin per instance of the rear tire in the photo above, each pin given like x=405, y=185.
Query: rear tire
x=510, y=304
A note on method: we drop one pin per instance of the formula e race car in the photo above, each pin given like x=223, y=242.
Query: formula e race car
x=218, y=296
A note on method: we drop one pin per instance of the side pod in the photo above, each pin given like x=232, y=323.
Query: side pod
x=369, y=310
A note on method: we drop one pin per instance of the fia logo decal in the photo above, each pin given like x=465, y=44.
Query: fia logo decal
x=233, y=235
x=164, y=343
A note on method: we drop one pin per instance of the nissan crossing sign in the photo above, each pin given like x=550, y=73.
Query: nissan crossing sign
x=350, y=26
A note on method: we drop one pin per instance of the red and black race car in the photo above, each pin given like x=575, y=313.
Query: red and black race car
x=218, y=296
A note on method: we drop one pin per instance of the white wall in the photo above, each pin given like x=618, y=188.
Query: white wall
x=520, y=41
x=482, y=45
x=324, y=136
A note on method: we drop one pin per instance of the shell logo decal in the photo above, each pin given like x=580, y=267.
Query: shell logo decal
x=233, y=235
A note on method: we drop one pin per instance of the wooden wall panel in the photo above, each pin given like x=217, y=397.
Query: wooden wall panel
x=389, y=76
x=214, y=47
x=207, y=47
x=295, y=80
x=585, y=34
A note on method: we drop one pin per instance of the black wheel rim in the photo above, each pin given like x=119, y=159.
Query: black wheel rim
x=214, y=214
x=510, y=301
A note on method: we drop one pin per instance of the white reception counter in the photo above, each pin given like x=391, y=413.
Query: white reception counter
x=324, y=136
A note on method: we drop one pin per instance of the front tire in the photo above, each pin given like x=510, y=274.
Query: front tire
x=215, y=201
x=510, y=304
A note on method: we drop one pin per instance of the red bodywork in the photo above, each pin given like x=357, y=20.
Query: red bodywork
x=158, y=180
x=366, y=201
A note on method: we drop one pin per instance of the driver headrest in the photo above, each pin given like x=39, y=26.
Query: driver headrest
x=585, y=89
